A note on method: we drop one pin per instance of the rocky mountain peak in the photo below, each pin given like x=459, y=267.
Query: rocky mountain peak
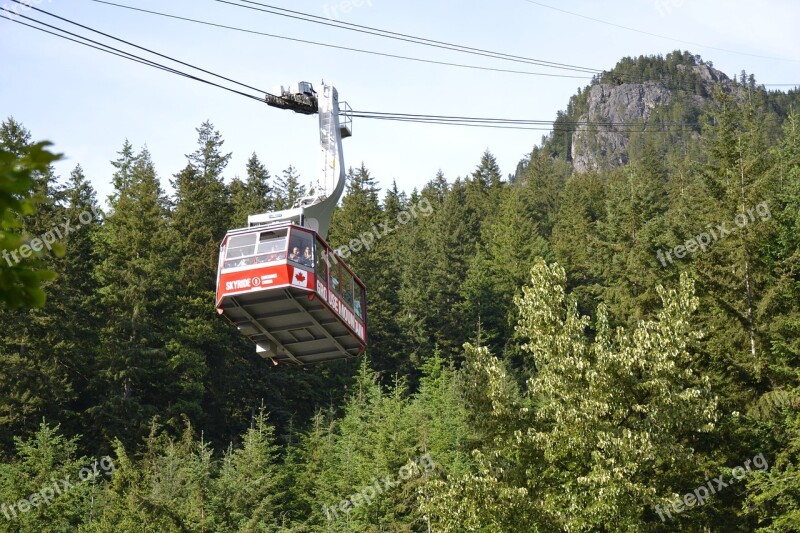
x=614, y=110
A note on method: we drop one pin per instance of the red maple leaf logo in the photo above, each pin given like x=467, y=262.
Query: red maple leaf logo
x=300, y=277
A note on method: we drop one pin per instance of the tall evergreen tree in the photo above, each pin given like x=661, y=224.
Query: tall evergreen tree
x=132, y=378
x=368, y=235
x=35, y=382
x=201, y=346
x=627, y=235
x=253, y=196
x=288, y=189
x=74, y=301
x=433, y=274
x=731, y=271
x=201, y=215
x=573, y=241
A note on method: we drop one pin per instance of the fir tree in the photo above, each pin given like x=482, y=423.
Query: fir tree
x=253, y=196
x=288, y=189
x=135, y=279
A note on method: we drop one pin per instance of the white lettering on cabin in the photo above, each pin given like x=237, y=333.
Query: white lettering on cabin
x=342, y=310
x=239, y=284
x=322, y=290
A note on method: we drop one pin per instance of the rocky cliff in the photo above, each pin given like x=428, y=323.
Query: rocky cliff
x=616, y=110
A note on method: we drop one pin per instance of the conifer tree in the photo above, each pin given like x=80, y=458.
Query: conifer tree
x=168, y=489
x=40, y=466
x=774, y=496
x=481, y=193
x=731, y=271
x=34, y=382
x=512, y=242
x=432, y=281
x=250, y=489
x=573, y=240
x=312, y=470
x=201, y=215
x=253, y=196
x=74, y=301
x=288, y=189
x=541, y=185
x=633, y=223
x=367, y=236
x=131, y=378
x=779, y=307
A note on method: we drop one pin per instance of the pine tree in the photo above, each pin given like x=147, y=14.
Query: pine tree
x=168, y=489
x=634, y=221
x=779, y=307
x=202, y=347
x=432, y=277
x=74, y=301
x=368, y=235
x=40, y=465
x=774, y=496
x=573, y=241
x=441, y=417
x=312, y=471
x=482, y=307
x=253, y=196
x=491, y=494
x=34, y=382
x=513, y=241
x=201, y=214
x=732, y=271
x=481, y=193
x=131, y=378
x=288, y=189
x=249, y=492
x=541, y=185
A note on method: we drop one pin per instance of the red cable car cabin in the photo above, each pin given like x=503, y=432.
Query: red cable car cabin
x=286, y=290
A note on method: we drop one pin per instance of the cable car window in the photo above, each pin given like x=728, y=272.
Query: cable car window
x=271, y=247
x=322, y=262
x=301, y=248
x=358, y=305
x=240, y=251
x=242, y=246
x=347, y=288
x=336, y=273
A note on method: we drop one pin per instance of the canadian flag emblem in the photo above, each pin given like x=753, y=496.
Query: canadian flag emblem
x=300, y=278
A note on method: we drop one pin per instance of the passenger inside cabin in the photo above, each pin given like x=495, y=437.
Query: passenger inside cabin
x=295, y=255
x=307, y=259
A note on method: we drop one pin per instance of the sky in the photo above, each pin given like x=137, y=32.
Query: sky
x=88, y=102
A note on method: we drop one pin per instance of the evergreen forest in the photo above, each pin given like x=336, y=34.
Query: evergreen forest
x=613, y=350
